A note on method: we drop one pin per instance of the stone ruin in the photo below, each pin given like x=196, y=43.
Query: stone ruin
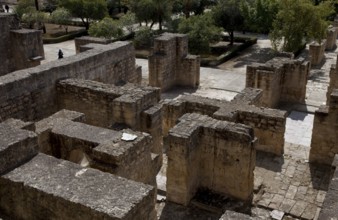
x=282, y=79
x=20, y=48
x=268, y=124
x=170, y=64
x=208, y=153
x=81, y=139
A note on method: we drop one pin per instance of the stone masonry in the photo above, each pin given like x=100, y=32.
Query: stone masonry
x=110, y=106
x=268, y=124
x=331, y=38
x=81, y=41
x=20, y=48
x=170, y=64
x=30, y=94
x=97, y=147
x=324, y=142
x=317, y=51
x=333, y=81
x=205, y=152
x=283, y=80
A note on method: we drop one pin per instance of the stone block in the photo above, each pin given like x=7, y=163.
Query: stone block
x=46, y=188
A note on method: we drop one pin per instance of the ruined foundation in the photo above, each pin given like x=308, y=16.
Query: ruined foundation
x=283, y=80
x=170, y=64
x=203, y=152
x=317, y=51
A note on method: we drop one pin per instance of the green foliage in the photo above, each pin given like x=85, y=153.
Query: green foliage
x=28, y=14
x=297, y=22
x=86, y=10
x=227, y=14
x=151, y=10
x=106, y=28
x=201, y=32
x=143, y=37
x=188, y=6
x=259, y=14
x=61, y=16
x=128, y=21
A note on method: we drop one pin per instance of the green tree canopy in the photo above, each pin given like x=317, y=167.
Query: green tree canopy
x=61, y=16
x=151, y=10
x=227, y=14
x=86, y=10
x=259, y=14
x=201, y=31
x=297, y=22
x=106, y=28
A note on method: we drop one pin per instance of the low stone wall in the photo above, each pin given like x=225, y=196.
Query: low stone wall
x=268, y=124
x=333, y=81
x=81, y=41
x=283, y=80
x=48, y=188
x=170, y=65
x=203, y=152
x=114, y=106
x=324, y=141
x=30, y=94
x=317, y=51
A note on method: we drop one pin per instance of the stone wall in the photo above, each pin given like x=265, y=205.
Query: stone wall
x=316, y=51
x=81, y=41
x=48, y=188
x=114, y=106
x=333, y=81
x=203, y=152
x=283, y=80
x=329, y=209
x=30, y=94
x=97, y=147
x=331, y=38
x=268, y=124
x=20, y=48
x=324, y=141
x=170, y=65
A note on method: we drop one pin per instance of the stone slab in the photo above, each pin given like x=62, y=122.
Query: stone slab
x=47, y=187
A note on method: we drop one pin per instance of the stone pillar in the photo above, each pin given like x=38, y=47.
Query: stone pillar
x=331, y=38
x=317, y=52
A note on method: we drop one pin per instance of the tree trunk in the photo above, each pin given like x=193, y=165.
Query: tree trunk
x=231, y=33
x=160, y=23
x=37, y=5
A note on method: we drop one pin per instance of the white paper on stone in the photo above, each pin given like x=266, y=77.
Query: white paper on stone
x=277, y=215
x=128, y=137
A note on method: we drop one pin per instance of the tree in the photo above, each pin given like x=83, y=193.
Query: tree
x=297, y=22
x=128, y=21
x=188, y=6
x=201, y=31
x=106, y=28
x=227, y=14
x=28, y=14
x=86, y=10
x=151, y=10
x=61, y=16
x=259, y=14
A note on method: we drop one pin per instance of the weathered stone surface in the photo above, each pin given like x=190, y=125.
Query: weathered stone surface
x=48, y=188
x=104, y=149
x=317, y=51
x=331, y=37
x=170, y=65
x=16, y=147
x=43, y=128
x=268, y=124
x=17, y=123
x=30, y=94
x=283, y=80
x=111, y=106
x=20, y=48
x=231, y=215
x=203, y=152
x=324, y=142
x=81, y=41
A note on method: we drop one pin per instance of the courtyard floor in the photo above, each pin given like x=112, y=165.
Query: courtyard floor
x=288, y=183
